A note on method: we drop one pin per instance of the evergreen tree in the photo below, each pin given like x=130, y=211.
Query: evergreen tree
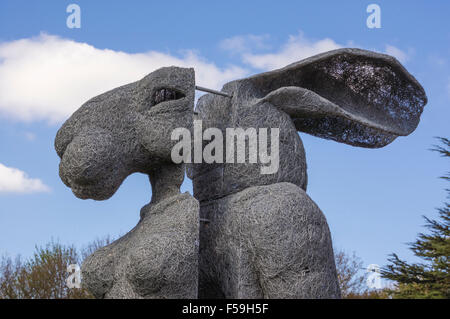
x=430, y=278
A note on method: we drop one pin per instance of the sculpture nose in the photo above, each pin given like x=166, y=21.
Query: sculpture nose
x=76, y=167
x=64, y=137
x=85, y=158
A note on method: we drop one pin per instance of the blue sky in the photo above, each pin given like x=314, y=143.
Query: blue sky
x=373, y=199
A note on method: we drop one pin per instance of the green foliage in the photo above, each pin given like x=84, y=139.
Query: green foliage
x=370, y=294
x=430, y=278
x=44, y=275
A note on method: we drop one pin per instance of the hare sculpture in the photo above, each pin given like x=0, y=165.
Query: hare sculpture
x=245, y=234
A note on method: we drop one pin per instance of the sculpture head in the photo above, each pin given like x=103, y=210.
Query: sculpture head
x=351, y=96
x=123, y=131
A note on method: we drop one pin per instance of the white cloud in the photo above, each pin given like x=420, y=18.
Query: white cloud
x=245, y=43
x=402, y=56
x=297, y=48
x=13, y=180
x=48, y=77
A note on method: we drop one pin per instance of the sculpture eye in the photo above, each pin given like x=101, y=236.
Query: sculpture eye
x=163, y=95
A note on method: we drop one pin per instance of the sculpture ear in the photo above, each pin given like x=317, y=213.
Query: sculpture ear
x=351, y=96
